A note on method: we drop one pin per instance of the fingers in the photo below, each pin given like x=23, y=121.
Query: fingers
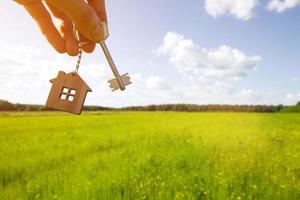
x=99, y=7
x=83, y=15
x=71, y=43
x=66, y=30
x=89, y=48
x=87, y=18
x=39, y=13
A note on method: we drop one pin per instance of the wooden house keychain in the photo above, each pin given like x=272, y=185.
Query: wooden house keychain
x=68, y=91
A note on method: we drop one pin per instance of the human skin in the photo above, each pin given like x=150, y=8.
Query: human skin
x=85, y=15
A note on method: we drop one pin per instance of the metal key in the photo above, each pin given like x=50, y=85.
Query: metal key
x=120, y=81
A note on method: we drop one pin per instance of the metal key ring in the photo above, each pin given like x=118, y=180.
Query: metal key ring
x=76, y=36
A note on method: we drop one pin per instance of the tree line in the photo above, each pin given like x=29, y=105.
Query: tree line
x=7, y=106
x=207, y=108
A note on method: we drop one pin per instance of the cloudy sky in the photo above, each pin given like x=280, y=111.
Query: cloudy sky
x=192, y=51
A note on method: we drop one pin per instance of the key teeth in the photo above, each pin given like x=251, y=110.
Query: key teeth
x=126, y=79
x=114, y=83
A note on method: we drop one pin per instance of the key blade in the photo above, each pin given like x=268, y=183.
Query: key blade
x=126, y=79
x=112, y=65
x=114, y=85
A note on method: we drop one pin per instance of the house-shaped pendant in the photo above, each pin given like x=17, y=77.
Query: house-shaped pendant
x=68, y=93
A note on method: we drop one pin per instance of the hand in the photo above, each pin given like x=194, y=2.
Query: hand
x=86, y=16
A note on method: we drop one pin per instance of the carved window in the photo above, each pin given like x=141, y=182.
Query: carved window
x=67, y=94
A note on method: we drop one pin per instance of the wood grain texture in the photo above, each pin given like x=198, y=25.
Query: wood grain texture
x=62, y=96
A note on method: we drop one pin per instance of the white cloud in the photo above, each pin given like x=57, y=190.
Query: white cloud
x=156, y=82
x=210, y=72
x=240, y=9
x=295, y=79
x=250, y=94
x=25, y=74
x=281, y=5
x=293, y=97
x=199, y=63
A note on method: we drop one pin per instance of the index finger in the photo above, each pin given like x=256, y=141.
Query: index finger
x=40, y=14
x=83, y=15
x=99, y=7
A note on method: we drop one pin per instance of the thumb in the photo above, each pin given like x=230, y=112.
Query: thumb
x=84, y=17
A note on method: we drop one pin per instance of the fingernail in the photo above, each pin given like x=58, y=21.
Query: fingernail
x=97, y=34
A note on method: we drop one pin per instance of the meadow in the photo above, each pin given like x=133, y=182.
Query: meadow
x=143, y=155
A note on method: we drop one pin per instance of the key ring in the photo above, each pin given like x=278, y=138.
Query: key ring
x=81, y=44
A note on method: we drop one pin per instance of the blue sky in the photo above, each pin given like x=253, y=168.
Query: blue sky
x=196, y=51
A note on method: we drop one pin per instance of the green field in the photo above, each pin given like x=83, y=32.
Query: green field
x=150, y=156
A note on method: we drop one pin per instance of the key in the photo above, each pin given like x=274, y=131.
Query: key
x=119, y=82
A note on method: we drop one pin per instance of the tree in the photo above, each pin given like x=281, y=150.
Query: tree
x=6, y=106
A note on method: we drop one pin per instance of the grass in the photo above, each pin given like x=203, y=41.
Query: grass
x=150, y=156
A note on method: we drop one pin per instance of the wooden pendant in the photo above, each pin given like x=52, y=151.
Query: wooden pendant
x=68, y=93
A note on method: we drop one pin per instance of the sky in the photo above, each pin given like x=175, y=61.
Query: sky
x=193, y=51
